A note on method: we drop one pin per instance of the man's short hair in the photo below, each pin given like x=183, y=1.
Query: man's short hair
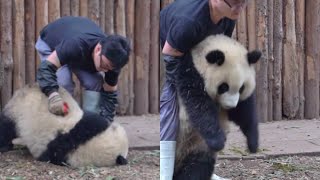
x=117, y=49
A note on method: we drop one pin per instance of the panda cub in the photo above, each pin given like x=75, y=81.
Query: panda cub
x=215, y=84
x=77, y=139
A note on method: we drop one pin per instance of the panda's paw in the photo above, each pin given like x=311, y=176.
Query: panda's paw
x=253, y=144
x=217, y=141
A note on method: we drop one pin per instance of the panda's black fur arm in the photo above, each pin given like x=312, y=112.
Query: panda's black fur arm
x=88, y=127
x=7, y=133
x=245, y=116
x=201, y=110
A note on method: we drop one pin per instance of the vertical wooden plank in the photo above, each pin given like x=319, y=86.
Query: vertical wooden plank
x=290, y=65
x=270, y=59
x=65, y=8
x=19, y=70
x=6, y=50
x=109, y=16
x=277, y=63
x=120, y=29
x=130, y=11
x=103, y=14
x=262, y=66
x=164, y=3
x=311, y=78
x=54, y=10
x=84, y=8
x=41, y=19
x=94, y=11
x=242, y=29
x=251, y=20
x=154, y=58
x=75, y=7
x=142, y=42
x=300, y=46
x=30, y=29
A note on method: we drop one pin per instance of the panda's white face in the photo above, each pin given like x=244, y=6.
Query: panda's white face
x=227, y=69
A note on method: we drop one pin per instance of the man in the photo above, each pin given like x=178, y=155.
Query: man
x=78, y=45
x=183, y=24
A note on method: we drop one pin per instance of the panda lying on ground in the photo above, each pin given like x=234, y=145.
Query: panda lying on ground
x=216, y=77
x=77, y=139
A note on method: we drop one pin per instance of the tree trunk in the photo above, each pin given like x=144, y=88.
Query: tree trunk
x=241, y=29
x=290, y=64
x=311, y=75
x=120, y=28
x=270, y=59
x=130, y=11
x=19, y=65
x=154, y=58
x=30, y=26
x=93, y=11
x=84, y=8
x=6, y=50
x=41, y=19
x=277, y=63
x=54, y=10
x=262, y=66
x=142, y=42
x=75, y=7
x=300, y=29
x=65, y=8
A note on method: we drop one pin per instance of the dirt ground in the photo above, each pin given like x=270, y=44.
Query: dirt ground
x=283, y=168
x=144, y=165
x=19, y=165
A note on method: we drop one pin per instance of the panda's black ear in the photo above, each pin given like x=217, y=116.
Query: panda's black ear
x=215, y=56
x=254, y=56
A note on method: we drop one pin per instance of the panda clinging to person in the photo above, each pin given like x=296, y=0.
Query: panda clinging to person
x=213, y=83
x=77, y=139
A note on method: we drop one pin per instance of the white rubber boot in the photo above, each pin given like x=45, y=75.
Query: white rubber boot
x=90, y=101
x=216, y=177
x=167, y=158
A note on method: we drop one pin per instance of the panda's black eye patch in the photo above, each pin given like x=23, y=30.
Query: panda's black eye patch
x=215, y=56
x=224, y=87
x=241, y=89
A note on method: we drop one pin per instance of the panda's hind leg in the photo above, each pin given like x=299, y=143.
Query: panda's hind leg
x=197, y=166
x=7, y=133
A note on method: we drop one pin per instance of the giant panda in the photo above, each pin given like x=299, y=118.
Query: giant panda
x=77, y=139
x=211, y=81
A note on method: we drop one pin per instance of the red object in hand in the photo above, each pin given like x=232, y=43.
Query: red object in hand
x=65, y=108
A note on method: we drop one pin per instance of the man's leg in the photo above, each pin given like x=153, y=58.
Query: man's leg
x=64, y=76
x=169, y=125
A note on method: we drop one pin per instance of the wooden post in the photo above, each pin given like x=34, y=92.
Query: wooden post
x=109, y=17
x=262, y=66
x=154, y=58
x=30, y=26
x=277, y=63
x=74, y=7
x=142, y=43
x=290, y=65
x=65, y=8
x=311, y=76
x=94, y=11
x=241, y=29
x=270, y=59
x=130, y=11
x=103, y=15
x=300, y=30
x=84, y=8
x=41, y=19
x=251, y=20
x=54, y=10
x=19, y=69
x=120, y=29
x=6, y=49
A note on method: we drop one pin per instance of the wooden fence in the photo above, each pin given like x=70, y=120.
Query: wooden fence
x=21, y=21
x=288, y=76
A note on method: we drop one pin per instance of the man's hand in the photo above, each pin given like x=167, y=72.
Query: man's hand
x=56, y=105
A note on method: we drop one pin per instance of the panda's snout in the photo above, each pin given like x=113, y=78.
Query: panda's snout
x=228, y=101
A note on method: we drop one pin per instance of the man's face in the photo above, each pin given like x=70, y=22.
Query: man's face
x=233, y=8
x=101, y=62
